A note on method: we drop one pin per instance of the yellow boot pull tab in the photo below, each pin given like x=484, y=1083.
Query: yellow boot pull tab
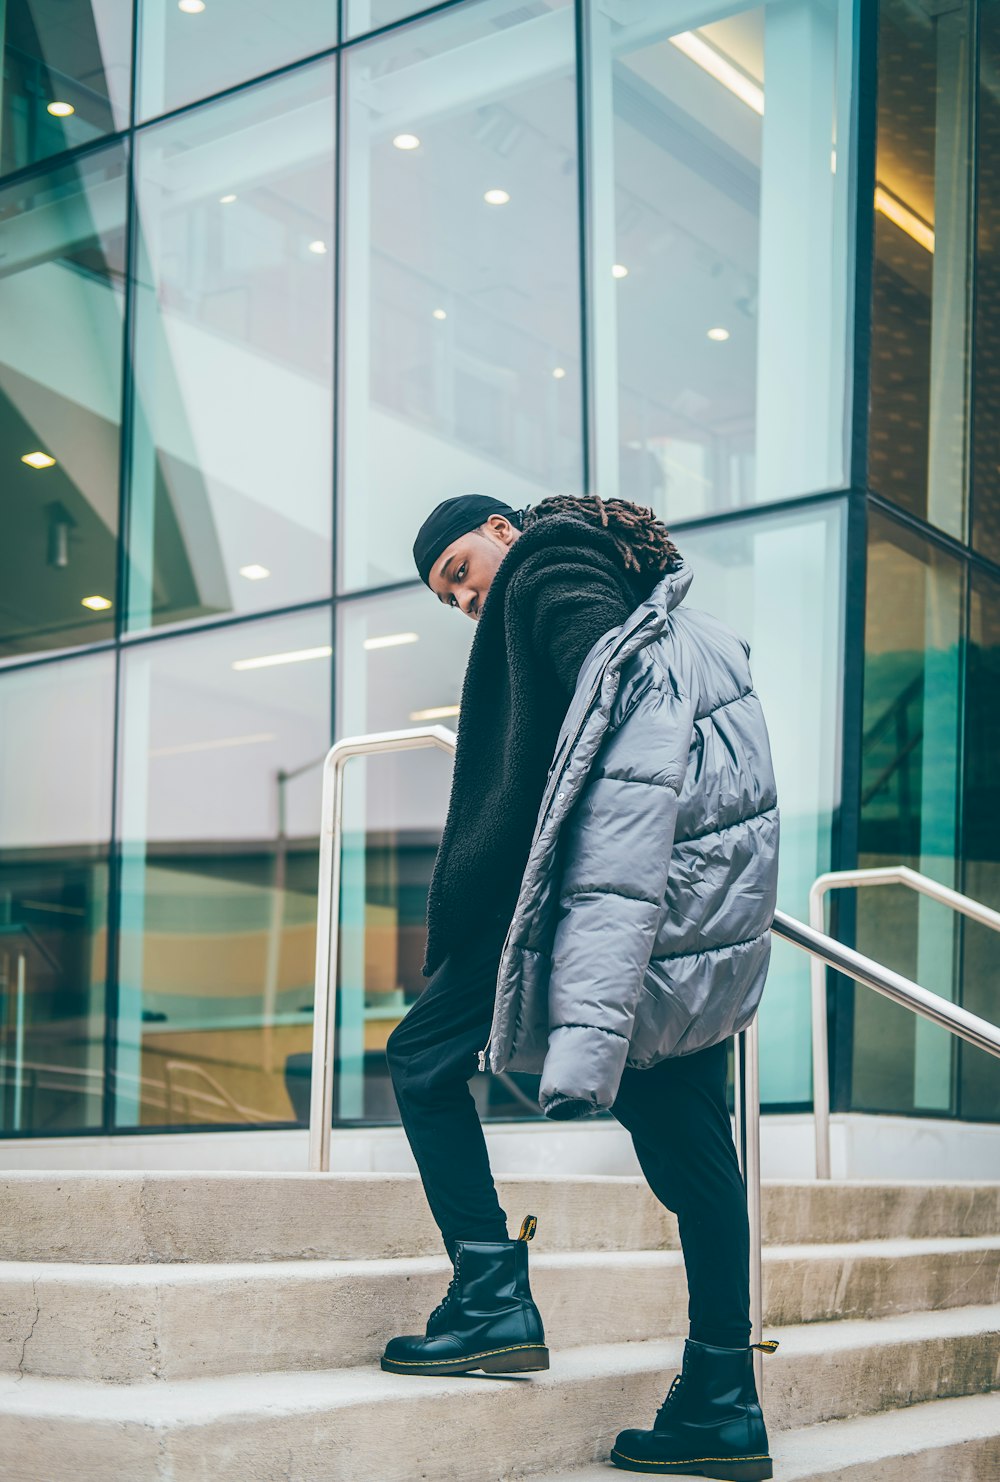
x=528, y=1227
x=767, y=1345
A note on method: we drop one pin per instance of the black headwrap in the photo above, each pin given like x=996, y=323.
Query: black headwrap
x=452, y=518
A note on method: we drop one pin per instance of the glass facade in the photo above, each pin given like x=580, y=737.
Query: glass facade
x=273, y=297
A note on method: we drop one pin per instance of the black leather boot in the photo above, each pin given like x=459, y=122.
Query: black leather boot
x=487, y=1320
x=710, y=1424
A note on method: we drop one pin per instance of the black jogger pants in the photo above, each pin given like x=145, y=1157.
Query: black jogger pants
x=675, y=1112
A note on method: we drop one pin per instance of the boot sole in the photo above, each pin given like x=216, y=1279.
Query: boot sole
x=519, y=1358
x=736, y=1469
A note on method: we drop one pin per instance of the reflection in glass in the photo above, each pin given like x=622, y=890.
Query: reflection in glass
x=56, y=747
x=779, y=583
x=920, y=309
x=721, y=253
x=401, y=660
x=361, y=16
x=986, y=373
x=187, y=53
x=61, y=307
x=223, y=736
x=461, y=314
x=909, y=808
x=980, y=1085
x=231, y=455
x=66, y=75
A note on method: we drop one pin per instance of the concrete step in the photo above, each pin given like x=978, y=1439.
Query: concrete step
x=946, y=1441
x=130, y=1323
x=346, y=1425
x=124, y=1217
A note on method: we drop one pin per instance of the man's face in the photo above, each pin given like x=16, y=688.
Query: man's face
x=462, y=574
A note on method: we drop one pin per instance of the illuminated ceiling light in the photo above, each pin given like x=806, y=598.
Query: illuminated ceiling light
x=496, y=198
x=38, y=460
x=559, y=373
x=226, y=199
x=191, y=7
x=406, y=141
x=901, y=216
x=436, y=712
x=298, y=656
x=713, y=62
x=253, y=572
x=218, y=744
x=718, y=334
x=317, y=247
x=391, y=640
x=619, y=270
x=61, y=110
x=440, y=314
x=97, y=604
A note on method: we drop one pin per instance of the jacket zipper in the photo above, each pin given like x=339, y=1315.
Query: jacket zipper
x=594, y=692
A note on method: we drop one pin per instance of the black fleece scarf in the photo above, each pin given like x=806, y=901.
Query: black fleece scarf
x=560, y=587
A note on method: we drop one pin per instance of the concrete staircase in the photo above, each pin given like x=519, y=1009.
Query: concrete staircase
x=226, y=1328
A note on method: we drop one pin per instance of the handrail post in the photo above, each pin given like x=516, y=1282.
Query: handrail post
x=328, y=915
x=820, y=1044
x=747, y=1104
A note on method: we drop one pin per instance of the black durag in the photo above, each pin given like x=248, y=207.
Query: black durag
x=452, y=518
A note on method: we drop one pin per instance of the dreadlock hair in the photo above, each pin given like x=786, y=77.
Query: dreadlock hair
x=642, y=540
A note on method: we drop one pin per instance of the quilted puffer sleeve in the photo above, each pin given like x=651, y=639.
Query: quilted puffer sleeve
x=616, y=859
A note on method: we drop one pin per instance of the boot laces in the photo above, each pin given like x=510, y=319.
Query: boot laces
x=673, y=1393
x=450, y=1294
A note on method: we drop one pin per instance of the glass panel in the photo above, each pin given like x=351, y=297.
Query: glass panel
x=721, y=251
x=66, y=76
x=980, y=1083
x=797, y=662
x=401, y=661
x=223, y=736
x=461, y=312
x=986, y=409
x=368, y=15
x=56, y=745
x=189, y=50
x=231, y=459
x=909, y=806
x=61, y=307
x=923, y=214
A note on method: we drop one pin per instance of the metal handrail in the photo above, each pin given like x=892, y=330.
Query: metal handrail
x=821, y=948
x=888, y=875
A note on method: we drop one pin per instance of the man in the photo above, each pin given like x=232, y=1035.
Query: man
x=599, y=912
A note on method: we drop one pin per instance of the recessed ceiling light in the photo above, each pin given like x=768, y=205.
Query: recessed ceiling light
x=406, y=141
x=436, y=712
x=296, y=657
x=191, y=7
x=391, y=640
x=440, y=314
x=317, y=247
x=99, y=604
x=61, y=110
x=253, y=572
x=619, y=270
x=496, y=198
x=38, y=460
x=226, y=199
x=718, y=334
x=559, y=373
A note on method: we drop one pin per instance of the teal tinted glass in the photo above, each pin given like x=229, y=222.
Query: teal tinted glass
x=231, y=463
x=61, y=308
x=56, y=749
x=190, y=49
x=222, y=740
x=66, y=76
x=460, y=323
x=909, y=812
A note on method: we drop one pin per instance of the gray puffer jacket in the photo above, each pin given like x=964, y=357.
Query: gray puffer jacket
x=642, y=927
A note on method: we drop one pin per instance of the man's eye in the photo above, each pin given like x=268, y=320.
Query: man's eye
x=461, y=572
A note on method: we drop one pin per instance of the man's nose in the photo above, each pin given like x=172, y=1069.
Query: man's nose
x=466, y=601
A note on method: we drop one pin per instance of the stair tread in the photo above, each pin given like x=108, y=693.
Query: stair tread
x=866, y=1439
x=191, y=1400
